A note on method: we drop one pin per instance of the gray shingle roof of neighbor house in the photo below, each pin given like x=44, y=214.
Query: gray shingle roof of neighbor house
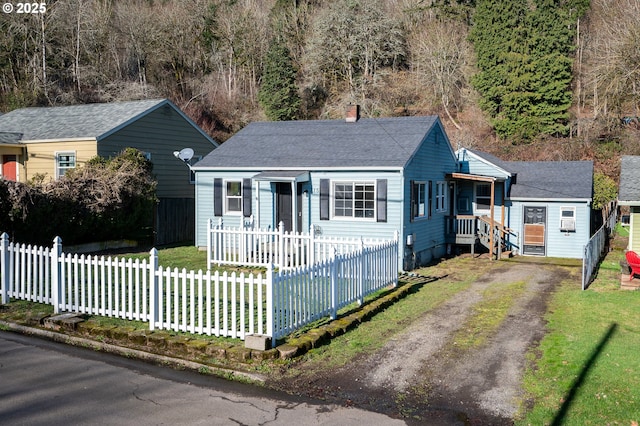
x=369, y=142
x=78, y=121
x=10, y=138
x=629, y=191
x=552, y=179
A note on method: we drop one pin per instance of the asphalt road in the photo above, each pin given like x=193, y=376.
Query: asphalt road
x=43, y=382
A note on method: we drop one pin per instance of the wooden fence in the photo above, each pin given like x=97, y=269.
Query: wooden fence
x=273, y=303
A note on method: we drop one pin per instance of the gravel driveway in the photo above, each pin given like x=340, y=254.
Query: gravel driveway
x=413, y=377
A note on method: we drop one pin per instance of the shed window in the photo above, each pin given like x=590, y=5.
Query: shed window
x=64, y=162
x=567, y=219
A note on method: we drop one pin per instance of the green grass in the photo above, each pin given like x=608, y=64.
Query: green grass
x=374, y=333
x=587, y=368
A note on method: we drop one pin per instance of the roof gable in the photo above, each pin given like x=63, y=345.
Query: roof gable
x=76, y=121
x=498, y=167
x=367, y=143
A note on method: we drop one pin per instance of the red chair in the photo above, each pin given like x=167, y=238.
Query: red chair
x=634, y=263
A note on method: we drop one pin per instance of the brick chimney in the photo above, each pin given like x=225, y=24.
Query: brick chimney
x=353, y=113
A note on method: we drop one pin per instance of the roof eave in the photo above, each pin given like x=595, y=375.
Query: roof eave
x=82, y=139
x=312, y=169
x=564, y=199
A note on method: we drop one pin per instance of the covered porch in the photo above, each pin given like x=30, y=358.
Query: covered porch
x=475, y=217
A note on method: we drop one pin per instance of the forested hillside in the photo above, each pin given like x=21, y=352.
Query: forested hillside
x=537, y=79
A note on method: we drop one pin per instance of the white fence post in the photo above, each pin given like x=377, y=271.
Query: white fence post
x=153, y=289
x=270, y=318
x=56, y=278
x=209, y=246
x=281, y=261
x=334, y=285
x=361, y=274
x=4, y=266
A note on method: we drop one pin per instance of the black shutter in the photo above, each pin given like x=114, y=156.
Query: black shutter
x=412, y=200
x=430, y=200
x=381, y=204
x=324, y=199
x=217, y=197
x=246, y=197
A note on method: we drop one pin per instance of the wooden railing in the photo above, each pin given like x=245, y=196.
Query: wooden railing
x=466, y=229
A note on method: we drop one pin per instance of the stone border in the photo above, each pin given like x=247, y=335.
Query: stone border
x=150, y=345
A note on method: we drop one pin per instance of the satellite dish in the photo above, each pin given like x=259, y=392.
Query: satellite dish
x=185, y=154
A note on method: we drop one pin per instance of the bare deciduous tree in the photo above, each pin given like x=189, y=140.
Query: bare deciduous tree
x=441, y=57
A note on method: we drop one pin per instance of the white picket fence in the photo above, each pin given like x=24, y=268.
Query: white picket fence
x=273, y=303
x=249, y=246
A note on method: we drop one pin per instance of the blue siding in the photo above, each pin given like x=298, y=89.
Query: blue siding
x=432, y=162
x=558, y=243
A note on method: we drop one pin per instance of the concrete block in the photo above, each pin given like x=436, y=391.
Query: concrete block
x=258, y=342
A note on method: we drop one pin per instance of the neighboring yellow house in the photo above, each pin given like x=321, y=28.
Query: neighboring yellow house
x=629, y=195
x=49, y=141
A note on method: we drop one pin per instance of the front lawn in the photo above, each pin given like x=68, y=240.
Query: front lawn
x=587, y=368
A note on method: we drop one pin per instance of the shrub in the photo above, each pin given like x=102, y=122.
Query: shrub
x=106, y=199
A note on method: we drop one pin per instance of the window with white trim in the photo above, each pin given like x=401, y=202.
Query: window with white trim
x=419, y=200
x=354, y=199
x=441, y=196
x=64, y=161
x=568, y=219
x=483, y=196
x=233, y=197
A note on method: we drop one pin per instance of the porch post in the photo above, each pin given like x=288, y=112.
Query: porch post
x=257, y=206
x=294, y=207
x=491, y=229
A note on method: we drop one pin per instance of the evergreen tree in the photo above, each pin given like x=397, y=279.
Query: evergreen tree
x=278, y=94
x=524, y=56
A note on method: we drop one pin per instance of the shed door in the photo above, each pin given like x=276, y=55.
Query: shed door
x=535, y=219
x=9, y=167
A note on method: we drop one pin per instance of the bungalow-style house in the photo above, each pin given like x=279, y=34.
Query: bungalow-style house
x=355, y=177
x=541, y=208
x=48, y=141
x=372, y=177
x=629, y=195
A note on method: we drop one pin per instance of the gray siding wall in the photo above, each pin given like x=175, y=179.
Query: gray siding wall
x=160, y=133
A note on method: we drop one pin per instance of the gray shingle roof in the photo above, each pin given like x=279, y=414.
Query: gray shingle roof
x=373, y=142
x=552, y=179
x=10, y=138
x=75, y=121
x=629, y=179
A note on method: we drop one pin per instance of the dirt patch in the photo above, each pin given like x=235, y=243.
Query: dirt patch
x=419, y=375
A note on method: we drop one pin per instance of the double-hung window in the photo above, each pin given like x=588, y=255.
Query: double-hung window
x=64, y=162
x=354, y=199
x=233, y=196
x=419, y=200
x=483, y=196
x=441, y=196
